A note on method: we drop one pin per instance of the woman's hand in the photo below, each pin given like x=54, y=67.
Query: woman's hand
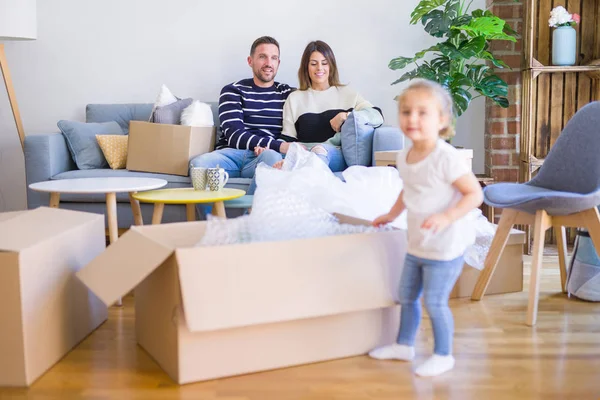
x=258, y=150
x=337, y=121
x=383, y=220
x=436, y=223
x=278, y=164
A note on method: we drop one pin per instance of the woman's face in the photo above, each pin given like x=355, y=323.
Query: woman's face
x=318, y=69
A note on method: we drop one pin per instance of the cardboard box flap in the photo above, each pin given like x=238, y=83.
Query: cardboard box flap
x=240, y=285
x=25, y=229
x=123, y=265
x=5, y=216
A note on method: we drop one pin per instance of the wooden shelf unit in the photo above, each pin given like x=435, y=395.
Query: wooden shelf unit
x=552, y=94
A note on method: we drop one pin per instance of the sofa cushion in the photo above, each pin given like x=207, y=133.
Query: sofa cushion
x=171, y=113
x=122, y=113
x=82, y=143
x=357, y=139
x=114, y=148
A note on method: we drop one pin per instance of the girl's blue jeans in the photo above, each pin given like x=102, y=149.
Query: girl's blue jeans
x=435, y=279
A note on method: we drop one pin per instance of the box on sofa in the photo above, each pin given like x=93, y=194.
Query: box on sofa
x=210, y=312
x=166, y=149
x=45, y=310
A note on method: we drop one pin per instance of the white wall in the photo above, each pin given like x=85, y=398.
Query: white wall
x=116, y=51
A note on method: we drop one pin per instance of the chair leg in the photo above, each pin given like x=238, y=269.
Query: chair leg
x=592, y=224
x=507, y=220
x=542, y=223
x=561, y=242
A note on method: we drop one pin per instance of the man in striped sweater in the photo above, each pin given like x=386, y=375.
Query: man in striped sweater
x=251, y=115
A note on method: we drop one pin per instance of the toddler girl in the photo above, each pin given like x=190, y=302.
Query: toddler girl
x=439, y=190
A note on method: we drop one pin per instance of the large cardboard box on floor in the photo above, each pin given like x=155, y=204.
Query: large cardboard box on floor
x=45, y=310
x=166, y=149
x=508, y=276
x=210, y=312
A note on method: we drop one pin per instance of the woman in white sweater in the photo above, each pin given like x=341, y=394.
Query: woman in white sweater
x=314, y=114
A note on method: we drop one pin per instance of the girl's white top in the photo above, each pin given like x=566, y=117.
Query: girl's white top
x=428, y=190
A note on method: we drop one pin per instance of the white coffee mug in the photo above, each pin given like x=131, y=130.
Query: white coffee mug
x=199, y=177
x=216, y=179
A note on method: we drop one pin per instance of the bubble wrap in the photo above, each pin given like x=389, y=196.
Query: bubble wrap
x=484, y=234
x=291, y=217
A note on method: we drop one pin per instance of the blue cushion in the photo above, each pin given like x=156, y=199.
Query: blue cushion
x=81, y=140
x=357, y=139
x=529, y=198
x=171, y=113
x=122, y=113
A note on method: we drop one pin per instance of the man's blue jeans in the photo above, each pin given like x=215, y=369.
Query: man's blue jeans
x=436, y=279
x=237, y=163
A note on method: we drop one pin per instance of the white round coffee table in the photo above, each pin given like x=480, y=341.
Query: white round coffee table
x=108, y=186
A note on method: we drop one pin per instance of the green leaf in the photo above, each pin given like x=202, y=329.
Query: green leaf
x=409, y=75
x=437, y=22
x=480, y=13
x=471, y=48
x=462, y=20
x=423, y=8
x=492, y=28
x=400, y=62
x=477, y=72
x=459, y=80
x=501, y=101
x=462, y=99
x=492, y=86
x=486, y=55
x=422, y=53
x=441, y=63
x=509, y=30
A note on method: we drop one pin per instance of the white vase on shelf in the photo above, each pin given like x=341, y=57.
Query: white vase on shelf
x=564, y=46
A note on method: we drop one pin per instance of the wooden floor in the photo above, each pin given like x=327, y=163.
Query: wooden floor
x=498, y=357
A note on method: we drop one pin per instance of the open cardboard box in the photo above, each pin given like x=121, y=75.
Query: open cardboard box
x=211, y=312
x=508, y=275
x=166, y=149
x=45, y=310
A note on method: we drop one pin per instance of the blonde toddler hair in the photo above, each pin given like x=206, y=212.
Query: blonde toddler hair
x=444, y=98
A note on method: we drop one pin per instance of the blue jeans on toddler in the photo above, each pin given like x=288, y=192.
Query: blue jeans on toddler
x=435, y=279
x=237, y=163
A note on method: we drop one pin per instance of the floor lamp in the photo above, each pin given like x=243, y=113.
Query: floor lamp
x=18, y=21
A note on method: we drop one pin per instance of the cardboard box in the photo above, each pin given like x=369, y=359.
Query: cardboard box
x=388, y=158
x=210, y=312
x=45, y=310
x=508, y=276
x=166, y=149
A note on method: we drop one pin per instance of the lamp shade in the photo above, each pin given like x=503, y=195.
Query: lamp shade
x=18, y=20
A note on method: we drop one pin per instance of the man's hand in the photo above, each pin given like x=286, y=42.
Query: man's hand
x=337, y=121
x=436, y=223
x=383, y=220
x=258, y=150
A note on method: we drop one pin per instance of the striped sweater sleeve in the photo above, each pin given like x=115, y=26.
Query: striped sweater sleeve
x=237, y=134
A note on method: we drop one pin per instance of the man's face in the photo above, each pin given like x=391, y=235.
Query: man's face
x=264, y=63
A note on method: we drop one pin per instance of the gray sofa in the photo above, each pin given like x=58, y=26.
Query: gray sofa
x=47, y=157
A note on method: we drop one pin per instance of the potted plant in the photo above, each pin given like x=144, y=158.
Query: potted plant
x=461, y=62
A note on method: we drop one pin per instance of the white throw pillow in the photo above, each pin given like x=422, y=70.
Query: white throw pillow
x=197, y=114
x=164, y=98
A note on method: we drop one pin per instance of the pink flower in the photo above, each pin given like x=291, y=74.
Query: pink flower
x=576, y=18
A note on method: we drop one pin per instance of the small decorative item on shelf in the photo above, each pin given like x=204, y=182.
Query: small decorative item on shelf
x=564, y=37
